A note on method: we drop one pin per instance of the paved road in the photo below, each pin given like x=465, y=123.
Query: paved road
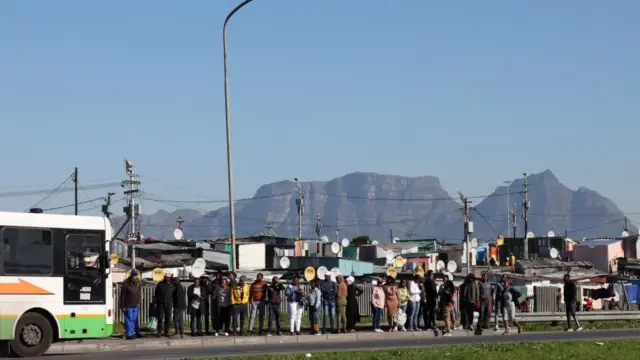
x=338, y=345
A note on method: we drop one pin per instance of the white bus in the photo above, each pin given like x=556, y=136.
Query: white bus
x=55, y=280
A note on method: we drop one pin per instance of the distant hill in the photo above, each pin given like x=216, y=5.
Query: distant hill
x=418, y=207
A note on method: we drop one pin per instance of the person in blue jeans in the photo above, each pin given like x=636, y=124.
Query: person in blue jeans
x=413, y=308
x=329, y=290
x=130, y=303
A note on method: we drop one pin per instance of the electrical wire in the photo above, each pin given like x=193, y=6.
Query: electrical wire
x=59, y=189
x=71, y=205
x=51, y=193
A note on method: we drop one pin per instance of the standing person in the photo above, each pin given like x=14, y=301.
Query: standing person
x=413, y=307
x=257, y=293
x=378, y=303
x=205, y=285
x=295, y=306
x=212, y=291
x=196, y=306
x=484, y=293
x=164, y=303
x=274, y=301
x=570, y=302
x=130, y=304
x=353, y=310
x=239, y=300
x=509, y=298
x=403, y=299
x=179, y=307
x=341, y=302
x=329, y=291
x=315, y=306
x=498, y=295
x=223, y=305
x=431, y=301
x=468, y=297
x=446, y=294
x=391, y=302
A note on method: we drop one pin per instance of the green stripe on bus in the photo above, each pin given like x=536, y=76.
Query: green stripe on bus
x=84, y=327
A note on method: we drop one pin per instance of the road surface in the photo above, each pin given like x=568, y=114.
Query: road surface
x=154, y=349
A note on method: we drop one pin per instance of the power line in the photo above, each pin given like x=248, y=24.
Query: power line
x=59, y=189
x=51, y=193
x=72, y=205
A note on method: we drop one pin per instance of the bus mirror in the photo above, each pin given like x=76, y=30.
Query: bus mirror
x=106, y=260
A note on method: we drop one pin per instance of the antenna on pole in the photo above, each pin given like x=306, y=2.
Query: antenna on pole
x=75, y=189
x=526, y=204
x=105, y=207
x=132, y=209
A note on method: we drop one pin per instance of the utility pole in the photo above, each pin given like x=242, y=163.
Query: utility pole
x=300, y=203
x=465, y=213
x=180, y=221
x=105, y=207
x=337, y=233
x=132, y=209
x=526, y=204
x=75, y=189
x=390, y=235
x=625, y=225
x=508, y=186
x=514, y=222
x=318, y=224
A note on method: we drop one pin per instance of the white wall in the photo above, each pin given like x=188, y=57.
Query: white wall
x=251, y=256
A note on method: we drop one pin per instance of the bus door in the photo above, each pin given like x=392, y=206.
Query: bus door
x=84, y=285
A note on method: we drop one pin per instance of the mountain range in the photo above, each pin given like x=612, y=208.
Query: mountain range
x=386, y=206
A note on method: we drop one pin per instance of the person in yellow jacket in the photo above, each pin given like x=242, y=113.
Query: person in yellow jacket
x=239, y=301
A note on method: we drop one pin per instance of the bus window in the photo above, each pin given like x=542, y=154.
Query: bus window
x=27, y=251
x=83, y=252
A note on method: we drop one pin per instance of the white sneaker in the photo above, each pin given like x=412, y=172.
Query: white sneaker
x=215, y=334
x=579, y=329
x=378, y=330
x=447, y=334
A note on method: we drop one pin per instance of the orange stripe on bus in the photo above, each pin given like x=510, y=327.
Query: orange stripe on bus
x=22, y=287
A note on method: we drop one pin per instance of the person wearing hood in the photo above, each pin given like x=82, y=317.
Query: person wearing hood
x=468, y=298
x=341, y=302
x=315, y=307
x=353, y=310
x=130, y=303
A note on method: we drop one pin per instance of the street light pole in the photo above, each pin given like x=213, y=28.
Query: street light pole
x=227, y=113
x=508, y=183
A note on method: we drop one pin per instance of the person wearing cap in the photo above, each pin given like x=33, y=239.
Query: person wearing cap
x=240, y=301
x=130, y=303
x=353, y=310
x=163, y=298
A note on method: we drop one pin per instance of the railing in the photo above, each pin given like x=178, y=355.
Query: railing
x=364, y=301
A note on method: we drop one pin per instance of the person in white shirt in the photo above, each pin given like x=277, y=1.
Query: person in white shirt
x=196, y=307
x=413, y=308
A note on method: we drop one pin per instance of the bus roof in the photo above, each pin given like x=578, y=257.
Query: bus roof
x=56, y=221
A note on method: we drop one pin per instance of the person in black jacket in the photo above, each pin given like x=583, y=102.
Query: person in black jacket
x=212, y=290
x=196, y=294
x=130, y=304
x=430, y=302
x=571, y=301
x=329, y=291
x=164, y=302
x=206, y=310
x=179, y=306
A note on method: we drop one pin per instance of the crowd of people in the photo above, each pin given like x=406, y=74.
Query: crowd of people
x=221, y=306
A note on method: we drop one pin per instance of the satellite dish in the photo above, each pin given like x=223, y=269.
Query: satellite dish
x=553, y=253
x=374, y=242
x=625, y=234
x=389, y=255
x=452, y=266
x=324, y=239
x=530, y=235
x=335, y=272
x=551, y=234
x=309, y=273
x=197, y=269
x=395, y=240
x=335, y=248
x=440, y=265
x=400, y=261
x=178, y=234
x=157, y=274
x=474, y=243
x=285, y=262
x=322, y=272
x=114, y=259
x=419, y=271
x=345, y=242
x=449, y=275
x=391, y=271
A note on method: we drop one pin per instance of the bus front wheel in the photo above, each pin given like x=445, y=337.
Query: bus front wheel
x=33, y=337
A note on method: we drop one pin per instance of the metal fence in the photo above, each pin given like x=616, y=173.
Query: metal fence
x=544, y=301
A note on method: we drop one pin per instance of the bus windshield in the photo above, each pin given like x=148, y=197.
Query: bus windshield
x=83, y=252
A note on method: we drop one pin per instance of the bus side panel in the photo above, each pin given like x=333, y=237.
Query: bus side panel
x=83, y=322
x=7, y=325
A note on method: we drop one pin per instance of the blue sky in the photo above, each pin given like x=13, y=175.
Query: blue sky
x=475, y=92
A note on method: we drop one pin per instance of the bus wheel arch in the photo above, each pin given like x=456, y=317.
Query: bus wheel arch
x=34, y=333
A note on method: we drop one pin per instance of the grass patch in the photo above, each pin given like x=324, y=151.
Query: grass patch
x=568, y=350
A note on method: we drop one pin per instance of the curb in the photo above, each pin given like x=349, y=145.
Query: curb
x=88, y=346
